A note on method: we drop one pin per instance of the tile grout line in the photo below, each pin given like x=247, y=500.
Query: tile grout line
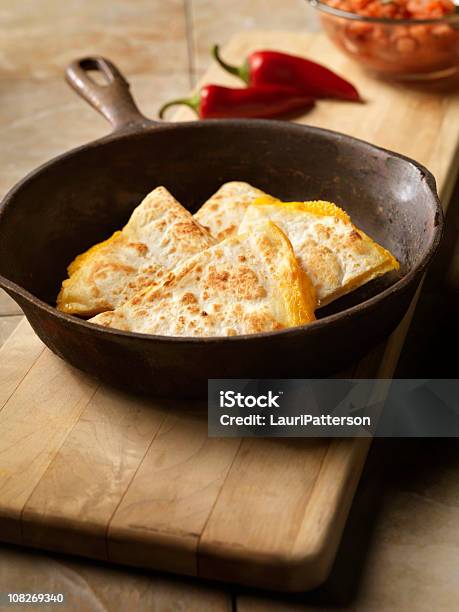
x=188, y=12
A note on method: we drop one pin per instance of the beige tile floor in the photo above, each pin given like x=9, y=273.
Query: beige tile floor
x=400, y=551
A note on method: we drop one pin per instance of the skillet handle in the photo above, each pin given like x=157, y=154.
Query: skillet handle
x=113, y=99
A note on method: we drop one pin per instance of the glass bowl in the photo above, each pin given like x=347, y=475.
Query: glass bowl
x=403, y=49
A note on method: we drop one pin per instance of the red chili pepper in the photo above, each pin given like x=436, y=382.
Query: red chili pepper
x=275, y=68
x=216, y=102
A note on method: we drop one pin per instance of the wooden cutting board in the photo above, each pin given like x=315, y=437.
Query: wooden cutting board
x=88, y=470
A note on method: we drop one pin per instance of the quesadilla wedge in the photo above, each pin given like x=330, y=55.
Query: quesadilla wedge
x=159, y=235
x=246, y=284
x=337, y=256
x=223, y=212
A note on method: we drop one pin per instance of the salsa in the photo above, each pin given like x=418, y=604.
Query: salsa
x=396, y=9
x=395, y=48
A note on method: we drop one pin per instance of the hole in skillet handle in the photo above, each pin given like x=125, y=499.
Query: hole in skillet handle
x=109, y=92
x=96, y=72
x=98, y=78
x=107, y=73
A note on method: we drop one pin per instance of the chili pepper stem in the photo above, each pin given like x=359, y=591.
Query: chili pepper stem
x=240, y=71
x=193, y=102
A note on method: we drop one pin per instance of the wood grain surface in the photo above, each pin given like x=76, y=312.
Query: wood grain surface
x=162, y=515
x=101, y=453
x=139, y=482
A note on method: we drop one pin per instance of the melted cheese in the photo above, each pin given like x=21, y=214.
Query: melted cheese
x=337, y=256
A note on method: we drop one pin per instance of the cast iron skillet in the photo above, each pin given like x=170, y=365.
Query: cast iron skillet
x=81, y=197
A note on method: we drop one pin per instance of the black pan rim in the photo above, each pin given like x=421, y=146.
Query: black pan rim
x=154, y=126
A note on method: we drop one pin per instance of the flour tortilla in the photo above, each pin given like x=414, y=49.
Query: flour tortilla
x=159, y=235
x=337, y=256
x=224, y=211
x=246, y=284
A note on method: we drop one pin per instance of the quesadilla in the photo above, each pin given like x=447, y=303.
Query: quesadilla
x=159, y=235
x=337, y=256
x=223, y=212
x=246, y=284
